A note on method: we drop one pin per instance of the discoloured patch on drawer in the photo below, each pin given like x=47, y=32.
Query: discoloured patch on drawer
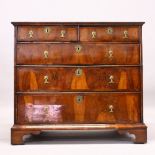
x=93, y=108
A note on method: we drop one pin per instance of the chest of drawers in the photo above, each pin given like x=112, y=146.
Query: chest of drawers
x=78, y=76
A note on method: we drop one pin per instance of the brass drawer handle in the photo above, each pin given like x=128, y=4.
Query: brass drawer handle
x=110, y=30
x=31, y=34
x=125, y=32
x=47, y=30
x=111, y=78
x=110, y=54
x=46, y=79
x=79, y=99
x=78, y=72
x=93, y=33
x=46, y=110
x=45, y=54
x=111, y=108
x=62, y=33
x=78, y=48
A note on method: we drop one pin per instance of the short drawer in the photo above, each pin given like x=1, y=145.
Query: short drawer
x=78, y=78
x=79, y=108
x=47, y=33
x=112, y=34
x=88, y=53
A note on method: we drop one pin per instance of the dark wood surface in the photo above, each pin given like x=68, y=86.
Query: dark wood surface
x=107, y=92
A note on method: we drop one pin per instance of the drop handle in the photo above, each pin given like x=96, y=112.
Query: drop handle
x=62, y=33
x=125, y=34
x=110, y=54
x=111, y=79
x=93, y=33
x=45, y=54
x=31, y=34
x=46, y=79
x=46, y=109
x=111, y=108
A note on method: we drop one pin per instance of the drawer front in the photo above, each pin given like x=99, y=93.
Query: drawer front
x=124, y=34
x=79, y=108
x=47, y=33
x=78, y=78
x=78, y=53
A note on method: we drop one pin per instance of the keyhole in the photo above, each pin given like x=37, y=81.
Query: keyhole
x=79, y=99
x=78, y=72
x=47, y=30
x=78, y=48
x=110, y=30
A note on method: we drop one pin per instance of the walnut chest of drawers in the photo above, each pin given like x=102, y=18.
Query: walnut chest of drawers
x=78, y=76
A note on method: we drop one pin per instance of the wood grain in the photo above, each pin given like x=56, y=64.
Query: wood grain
x=98, y=87
x=91, y=79
x=117, y=34
x=53, y=35
x=94, y=107
x=62, y=53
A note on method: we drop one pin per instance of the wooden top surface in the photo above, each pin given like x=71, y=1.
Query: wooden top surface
x=77, y=23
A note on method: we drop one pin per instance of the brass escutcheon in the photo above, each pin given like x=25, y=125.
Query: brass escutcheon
x=78, y=48
x=79, y=99
x=78, y=72
x=110, y=30
x=47, y=30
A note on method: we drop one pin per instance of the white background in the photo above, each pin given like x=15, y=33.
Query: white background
x=75, y=10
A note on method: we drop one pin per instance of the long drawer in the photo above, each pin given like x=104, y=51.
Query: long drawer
x=79, y=108
x=78, y=78
x=128, y=54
